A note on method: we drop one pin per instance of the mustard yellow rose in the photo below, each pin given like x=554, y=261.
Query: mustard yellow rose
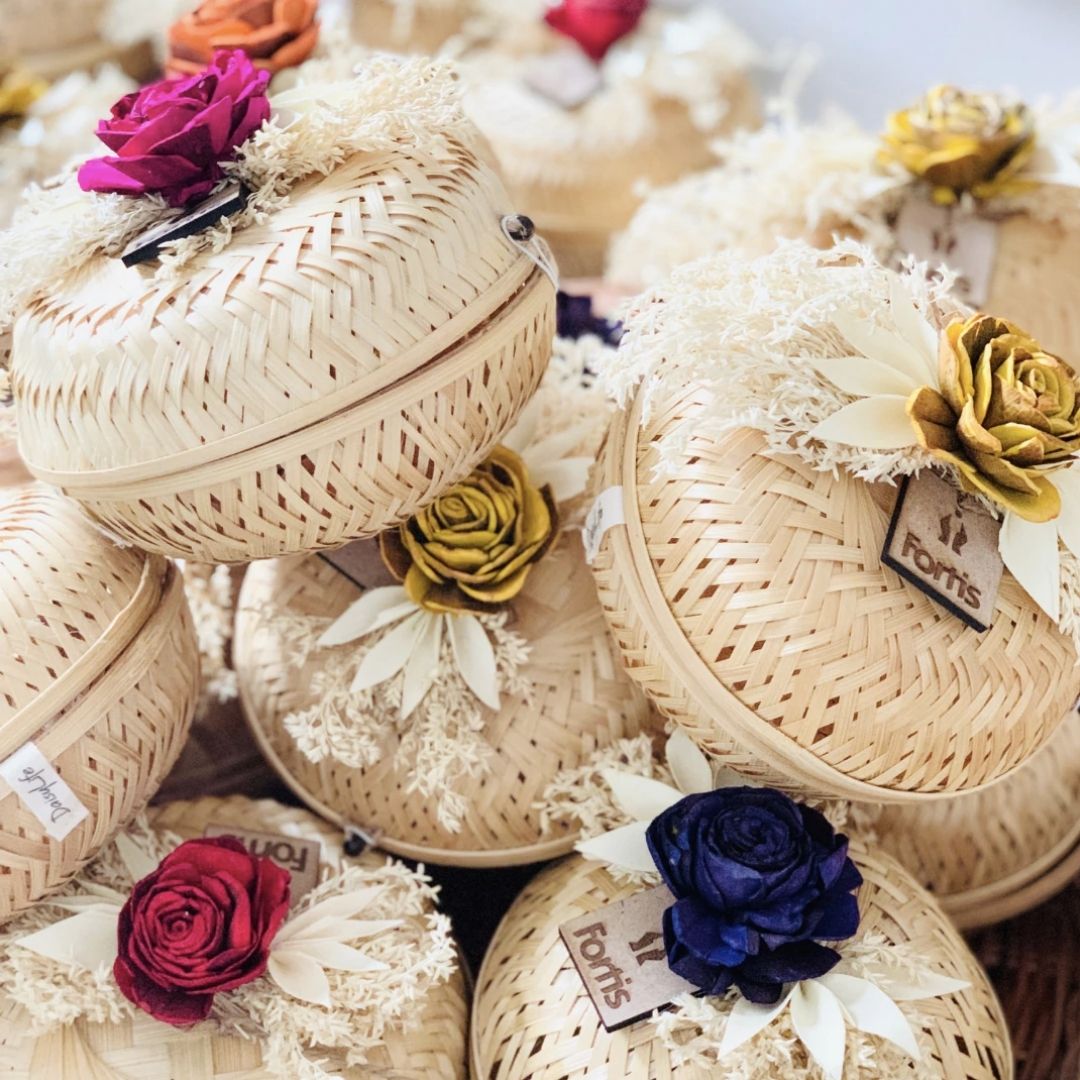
x=1006, y=412
x=473, y=548
x=18, y=91
x=961, y=142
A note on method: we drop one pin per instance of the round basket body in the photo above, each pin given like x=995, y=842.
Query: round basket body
x=434, y=1050
x=100, y=671
x=991, y=855
x=578, y=701
x=322, y=378
x=533, y=1020
x=582, y=200
x=749, y=598
x=407, y=25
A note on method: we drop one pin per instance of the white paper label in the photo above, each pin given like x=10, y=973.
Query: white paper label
x=42, y=792
x=607, y=512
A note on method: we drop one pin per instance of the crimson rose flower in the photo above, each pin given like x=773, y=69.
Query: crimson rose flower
x=201, y=923
x=171, y=137
x=596, y=24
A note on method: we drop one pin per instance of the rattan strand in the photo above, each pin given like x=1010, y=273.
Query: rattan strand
x=100, y=670
x=321, y=379
x=144, y=1048
x=532, y=1019
x=749, y=599
x=580, y=701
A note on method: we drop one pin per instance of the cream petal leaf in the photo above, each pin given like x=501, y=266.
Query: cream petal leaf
x=877, y=423
x=1030, y=553
x=688, y=764
x=818, y=1020
x=863, y=377
x=360, y=618
x=299, y=976
x=389, y=655
x=747, y=1019
x=871, y=1010
x=475, y=658
x=87, y=940
x=643, y=799
x=873, y=341
x=625, y=847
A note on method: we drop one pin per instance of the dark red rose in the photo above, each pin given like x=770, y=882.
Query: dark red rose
x=201, y=923
x=596, y=24
x=171, y=137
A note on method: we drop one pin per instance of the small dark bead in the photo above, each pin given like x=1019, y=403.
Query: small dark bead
x=520, y=228
x=355, y=845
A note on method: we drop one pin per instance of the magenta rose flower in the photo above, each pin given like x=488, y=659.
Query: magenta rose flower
x=171, y=137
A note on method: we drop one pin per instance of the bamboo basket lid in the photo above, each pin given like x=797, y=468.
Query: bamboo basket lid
x=41, y=27
x=749, y=599
x=144, y=1048
x=577, y=700
x=407, y=25
x=321, y=378
x=993, y=854
x=99, y=669
x=532, y=1019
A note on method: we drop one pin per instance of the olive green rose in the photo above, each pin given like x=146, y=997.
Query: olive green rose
x=1007, y=411
x=473, y=547
x=961, y=142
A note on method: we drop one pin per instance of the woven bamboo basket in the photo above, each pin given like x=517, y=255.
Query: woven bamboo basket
x=579, y=701
x=993, y=854
x=144, y=1048
x=322, y=378
x=580, y=212
x=414, y=26
x=100, y=670
x=532, y=1019
x=749, y=599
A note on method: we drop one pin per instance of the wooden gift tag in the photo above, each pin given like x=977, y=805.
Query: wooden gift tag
x=946, y=544
x=361, y=563
x=965, y=242
x=619, y=954
x=300, y=857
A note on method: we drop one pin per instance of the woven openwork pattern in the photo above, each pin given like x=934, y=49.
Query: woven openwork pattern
x=322, y=378
x=750, y=602
x=99, y=668
x=434, y=1050
x=407, y=25
x=532, y=1019
x=992, y=854
x=31, y=26
x=579, y=701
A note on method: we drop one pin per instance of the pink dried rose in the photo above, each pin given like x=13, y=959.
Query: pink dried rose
x=172, y=137
x=596, y=24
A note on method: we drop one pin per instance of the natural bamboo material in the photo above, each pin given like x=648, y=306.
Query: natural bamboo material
x=412, y=26
x=322, y=378
x=532, y=1019
x=749, y=599
x=993, y=854
x=145, y=1048
x=99, y=669
x=579, y=701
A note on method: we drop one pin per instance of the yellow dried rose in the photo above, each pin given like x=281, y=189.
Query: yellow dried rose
x=473, y=548
x=1005, y=412
x=18, y=91
x=961, y=142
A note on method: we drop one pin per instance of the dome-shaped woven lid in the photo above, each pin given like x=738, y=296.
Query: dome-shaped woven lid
x=990, y=855
x=533, y=1020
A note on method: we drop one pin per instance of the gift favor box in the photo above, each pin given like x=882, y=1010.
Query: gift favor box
x=315, y=352
x=810, y=561
x=346, y=968
x=100, y=677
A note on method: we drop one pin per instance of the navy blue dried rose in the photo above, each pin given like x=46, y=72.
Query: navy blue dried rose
x=575, y=318
x=760, y=882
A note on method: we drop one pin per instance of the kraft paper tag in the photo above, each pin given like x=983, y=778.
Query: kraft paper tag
x=566, y=77
x=965, y=242
x=946, y=544
x=361, y=563
x=300, y=857
x=619, y=954
x=40, y=789
x=607, y=512
x=148, y=245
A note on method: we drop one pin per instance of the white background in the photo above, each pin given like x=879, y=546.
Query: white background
x=878, y=55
